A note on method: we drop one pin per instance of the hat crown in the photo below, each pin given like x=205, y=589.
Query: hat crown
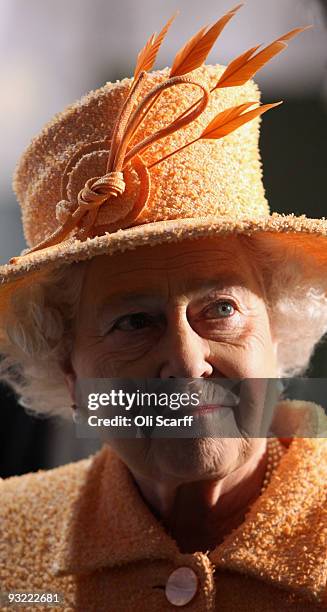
x=210, y=177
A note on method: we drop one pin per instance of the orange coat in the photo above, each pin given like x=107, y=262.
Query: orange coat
x=82, y=530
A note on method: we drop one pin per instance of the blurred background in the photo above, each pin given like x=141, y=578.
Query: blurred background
x=53, y=52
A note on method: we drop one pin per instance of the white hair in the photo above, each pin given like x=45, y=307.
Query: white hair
x=38, y=327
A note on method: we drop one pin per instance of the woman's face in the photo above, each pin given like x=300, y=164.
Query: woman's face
x=194, y=309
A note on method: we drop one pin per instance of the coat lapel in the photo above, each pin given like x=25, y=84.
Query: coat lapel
x=108, y=523
x=283, y=539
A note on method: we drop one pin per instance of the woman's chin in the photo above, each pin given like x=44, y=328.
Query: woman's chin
x=192, y=459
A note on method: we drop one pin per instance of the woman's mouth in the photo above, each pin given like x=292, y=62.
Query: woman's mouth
x=209, y=408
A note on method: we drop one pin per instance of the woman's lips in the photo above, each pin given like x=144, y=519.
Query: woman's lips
x=207, y=408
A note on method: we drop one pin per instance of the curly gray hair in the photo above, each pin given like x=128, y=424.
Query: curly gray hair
x=38, y=329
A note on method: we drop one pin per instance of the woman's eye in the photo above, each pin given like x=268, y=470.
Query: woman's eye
x=133, y=322
x=222, y=309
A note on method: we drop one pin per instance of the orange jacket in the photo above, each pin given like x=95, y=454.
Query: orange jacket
x=83, y=531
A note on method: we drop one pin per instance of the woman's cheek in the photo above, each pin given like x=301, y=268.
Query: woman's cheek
x=259, y=359
x=246, y=355
x=108, y=362
x=225, y=359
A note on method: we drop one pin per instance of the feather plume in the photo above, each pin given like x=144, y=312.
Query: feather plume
x=196, y=50
x=237, y=63
x=224, y=123
x=147, y=56
x=243, y=68
x=224, y=117
x=229, y=120
x=293, y=33
x=187, y=51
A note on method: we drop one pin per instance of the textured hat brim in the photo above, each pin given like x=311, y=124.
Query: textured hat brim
x=306, y=237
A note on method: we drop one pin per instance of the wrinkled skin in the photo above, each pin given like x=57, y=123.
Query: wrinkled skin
x=192, y=309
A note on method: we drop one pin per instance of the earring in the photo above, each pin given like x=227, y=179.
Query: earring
x=75, y=414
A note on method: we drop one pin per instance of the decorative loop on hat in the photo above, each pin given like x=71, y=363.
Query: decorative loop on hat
x=95, y=192
x=78, y=218
x=127, y=209
x=63, y=210
x=99, y=189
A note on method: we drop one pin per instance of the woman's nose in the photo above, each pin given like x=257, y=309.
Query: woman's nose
x=184, y=353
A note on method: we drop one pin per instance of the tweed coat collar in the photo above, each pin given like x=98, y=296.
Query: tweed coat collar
x=283, y=539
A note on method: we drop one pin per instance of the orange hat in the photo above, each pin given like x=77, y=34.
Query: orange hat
x=163, y=156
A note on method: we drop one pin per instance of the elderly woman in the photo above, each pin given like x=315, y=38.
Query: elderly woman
x=154, y=256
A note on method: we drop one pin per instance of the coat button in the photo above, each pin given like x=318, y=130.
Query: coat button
x=181, y=586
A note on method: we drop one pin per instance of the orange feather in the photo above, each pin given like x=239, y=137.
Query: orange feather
x=241, y=69
x=238, y=63
x=229, y=120
x=187, y=51
x=196, y=50
x=147, y=56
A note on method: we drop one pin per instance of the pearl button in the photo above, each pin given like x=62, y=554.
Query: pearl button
x=181, y=586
